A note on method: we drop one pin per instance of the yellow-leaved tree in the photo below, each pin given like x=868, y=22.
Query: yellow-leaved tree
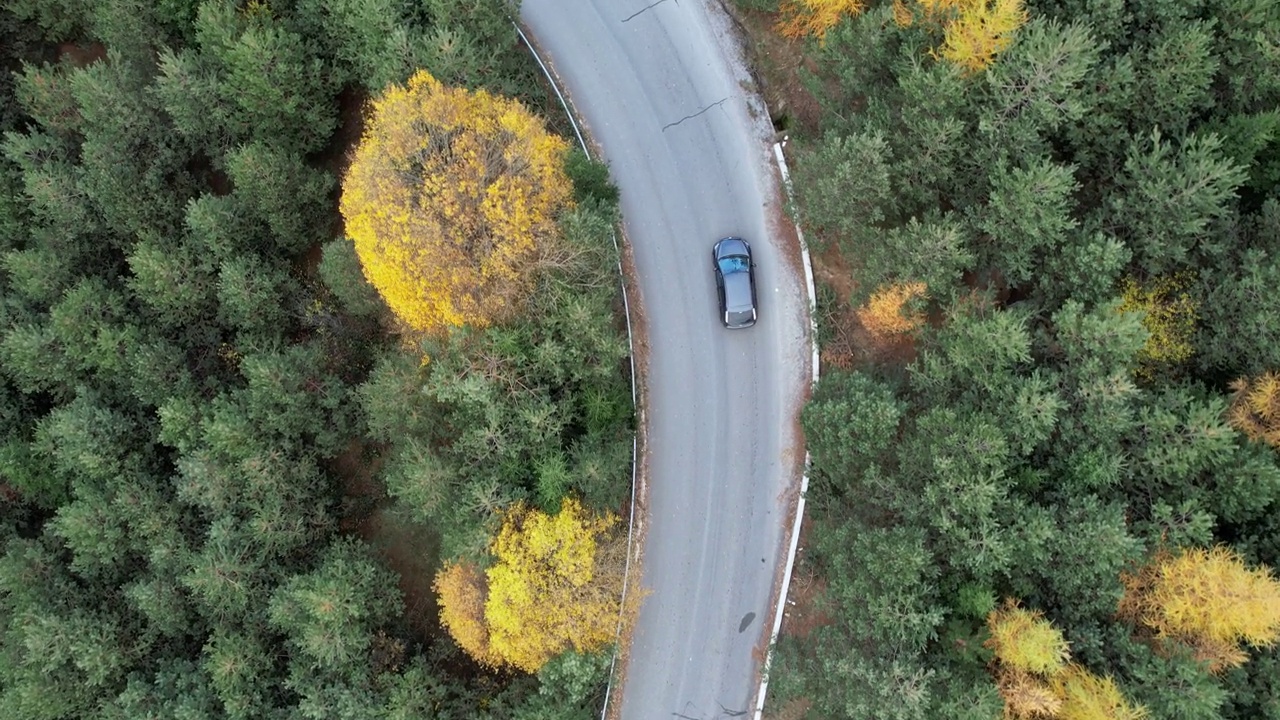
x=1029, y=650
x=980, y=31
x=449, y=199
x=1170, y=318
x=556, y=583
x=1085, y=696
x=886, y=313
x=1255, y=408
x=974, y=32
x=1023, y=640
x=1207, y=599
x=1036, y=678
x=462, y=591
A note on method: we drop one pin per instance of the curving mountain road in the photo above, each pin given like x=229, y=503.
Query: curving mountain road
x=663, y=92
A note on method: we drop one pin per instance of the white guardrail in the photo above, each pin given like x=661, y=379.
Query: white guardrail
x=813, y=340
x=804, y=480
x=626, y=305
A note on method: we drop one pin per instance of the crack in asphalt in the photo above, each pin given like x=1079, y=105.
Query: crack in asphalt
x=717, y=103
x=647, y=7
x=724, y=713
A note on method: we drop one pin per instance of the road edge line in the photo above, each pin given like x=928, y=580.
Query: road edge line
x=781, y=159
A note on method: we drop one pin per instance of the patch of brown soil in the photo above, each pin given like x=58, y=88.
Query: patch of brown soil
x=81, y=56
x=411, y=550
x=202, y=168
x=796, y=709
x=336, y=156
x=356, y=467
x=309, y=262
x=849, y=344
x=831, y=267
x=777, y=62
x=219, y=183
x=805, y=611
x=10, y=494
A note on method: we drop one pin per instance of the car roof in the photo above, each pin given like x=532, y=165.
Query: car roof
x=737, y=292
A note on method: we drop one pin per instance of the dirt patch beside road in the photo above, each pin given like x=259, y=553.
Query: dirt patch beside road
x=778, y=64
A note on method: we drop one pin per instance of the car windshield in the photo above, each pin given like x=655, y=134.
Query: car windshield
x=733, y=264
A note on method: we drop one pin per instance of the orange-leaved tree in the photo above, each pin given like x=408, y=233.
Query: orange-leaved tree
x=1255, y=408
x=814, y=18
x=887, y=312
x=451, y=194
x=1207, y=599
x=556, y=583
x=974, y=31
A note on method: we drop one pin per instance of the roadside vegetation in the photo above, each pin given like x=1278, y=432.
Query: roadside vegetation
x=1045, y=479
x=234, y=473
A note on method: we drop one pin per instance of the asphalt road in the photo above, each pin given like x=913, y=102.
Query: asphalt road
x=663, y=92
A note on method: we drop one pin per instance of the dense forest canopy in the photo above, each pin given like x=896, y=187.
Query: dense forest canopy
x=226, y=479
x=1045, y=478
